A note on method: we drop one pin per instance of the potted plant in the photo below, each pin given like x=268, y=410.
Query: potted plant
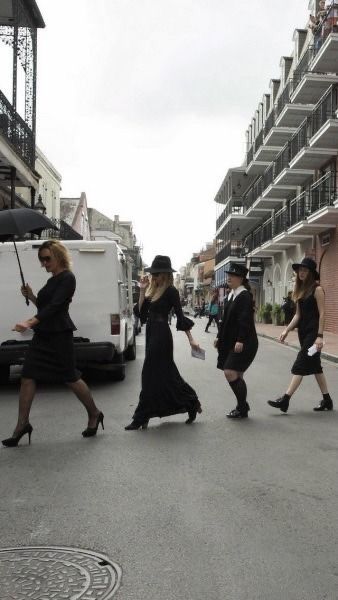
x=277, y=314
x=266, y=313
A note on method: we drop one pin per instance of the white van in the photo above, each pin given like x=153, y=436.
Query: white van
x=101, y=308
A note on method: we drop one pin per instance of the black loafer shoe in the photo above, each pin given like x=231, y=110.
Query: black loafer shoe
x=281, y=403
x=236, y=414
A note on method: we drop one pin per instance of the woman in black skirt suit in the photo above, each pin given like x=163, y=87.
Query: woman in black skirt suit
x=50, y=357
x=164, y=392
x=237, y=341
x=309, y=318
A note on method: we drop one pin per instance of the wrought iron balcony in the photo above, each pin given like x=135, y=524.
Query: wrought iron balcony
x=267, y=229
x=325, y=109
x=268, y=176
x=270, y=121
x=302, y=67
x=232, y=249
x=283, y=99
x=65, y=231
x=281, y=221
x=17, y=132
x=233, y=209
x=282, y=160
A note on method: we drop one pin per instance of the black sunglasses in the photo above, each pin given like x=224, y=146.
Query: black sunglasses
x=45, y=259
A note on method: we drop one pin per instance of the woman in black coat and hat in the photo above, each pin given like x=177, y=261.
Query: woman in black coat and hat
x=237, y=341
x=164, y=392
x=309, y=318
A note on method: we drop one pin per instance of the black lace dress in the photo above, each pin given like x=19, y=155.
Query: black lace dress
x=307, y=334
x=164, y=392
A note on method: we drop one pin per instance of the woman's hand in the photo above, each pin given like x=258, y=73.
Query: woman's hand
x=144, y=282
x=238, y=347
x=283, y=335
x=22, y=326
x=27, y=292
x=194, y=345
x=319, y=343
x=216, y=343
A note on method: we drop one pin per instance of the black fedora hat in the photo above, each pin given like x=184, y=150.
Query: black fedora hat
x=309, y=263
x=237, y=269
x=160, y=264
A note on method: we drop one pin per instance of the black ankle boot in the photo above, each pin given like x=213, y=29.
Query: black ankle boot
x=325, y=404
x=281, y=403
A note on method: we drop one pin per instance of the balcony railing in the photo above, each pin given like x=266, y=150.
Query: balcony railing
x=283, y=99
x=302, y=67
x=253, y=193
x=268, y=177
x=282, y=160
x=231, y=209
x=325, y=109
x=267, y=230
x=298, y=209
x=300, y=138
x=270, y=121
x=65, y=231
x=323, y=192
x=231, y=249
x=281, y=221
x=17, y=132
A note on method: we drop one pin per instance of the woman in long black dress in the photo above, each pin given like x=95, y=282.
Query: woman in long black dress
x=309, y=318
x=237, y=341
x=50, y=357
x=164, y=392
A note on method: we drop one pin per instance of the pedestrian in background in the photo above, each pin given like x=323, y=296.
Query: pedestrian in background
x=213, y=310
x=164, y=392
x=237, y=341
x=309, y=318
x=50, y=357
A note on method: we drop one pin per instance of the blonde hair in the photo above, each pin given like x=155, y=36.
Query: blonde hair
x=59, y=252
x=158, y=286
x=303, y=289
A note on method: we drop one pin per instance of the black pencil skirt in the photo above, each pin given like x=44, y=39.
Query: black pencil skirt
x=50, y=358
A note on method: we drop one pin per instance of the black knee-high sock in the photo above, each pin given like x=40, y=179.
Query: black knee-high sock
x=240, y=390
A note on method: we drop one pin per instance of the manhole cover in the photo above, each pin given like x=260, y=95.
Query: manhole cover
x=44, y=573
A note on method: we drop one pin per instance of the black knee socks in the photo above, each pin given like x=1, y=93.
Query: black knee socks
x=240, y=390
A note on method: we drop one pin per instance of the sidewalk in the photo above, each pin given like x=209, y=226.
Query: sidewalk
x=272, y=332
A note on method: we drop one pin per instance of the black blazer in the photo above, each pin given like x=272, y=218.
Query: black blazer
x=238, y=323
x=53, y=304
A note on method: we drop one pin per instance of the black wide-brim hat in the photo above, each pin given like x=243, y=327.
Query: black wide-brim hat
x=160, y=264
x=309, y=263
x=237, y=269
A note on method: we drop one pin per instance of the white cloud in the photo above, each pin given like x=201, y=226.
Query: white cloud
x=143, y=104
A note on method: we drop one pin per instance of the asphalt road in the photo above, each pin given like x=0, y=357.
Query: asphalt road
x=219, y=510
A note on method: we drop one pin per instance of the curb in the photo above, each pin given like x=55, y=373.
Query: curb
x=325, y=355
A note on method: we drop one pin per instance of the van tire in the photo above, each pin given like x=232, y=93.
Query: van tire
x=118, y=374
x=130, y=353
x=4, y=374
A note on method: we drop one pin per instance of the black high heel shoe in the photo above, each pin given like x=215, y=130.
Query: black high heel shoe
x=13, y=441
x=134, y=425
x=192, y=415
x=91, y=431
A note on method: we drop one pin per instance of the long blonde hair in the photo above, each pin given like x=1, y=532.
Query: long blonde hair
x=158, y=286
x=303, y=289
x=59, y=252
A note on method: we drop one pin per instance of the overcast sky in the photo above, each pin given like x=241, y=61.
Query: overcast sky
x=143, y=104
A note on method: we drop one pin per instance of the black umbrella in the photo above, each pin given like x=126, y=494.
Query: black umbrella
x=16, y=222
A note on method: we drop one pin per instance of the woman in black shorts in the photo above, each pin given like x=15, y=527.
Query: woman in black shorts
x=309, y=318
x=237, y=341
x=50, y=357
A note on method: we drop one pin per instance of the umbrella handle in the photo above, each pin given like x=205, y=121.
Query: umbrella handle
x=21, y=273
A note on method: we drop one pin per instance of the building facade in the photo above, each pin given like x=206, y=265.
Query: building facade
x=19, y=22
x=282, y=203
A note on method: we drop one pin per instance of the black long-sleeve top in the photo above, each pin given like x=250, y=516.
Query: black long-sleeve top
x=53, y=304
x=238, y=323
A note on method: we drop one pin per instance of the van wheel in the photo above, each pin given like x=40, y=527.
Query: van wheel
x=118, y=374
x=4, y=374
x=130, y=353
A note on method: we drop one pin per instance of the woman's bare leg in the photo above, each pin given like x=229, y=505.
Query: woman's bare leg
x=26, y=397
x=320, y=378
x=82, y=392
x=294, y=384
